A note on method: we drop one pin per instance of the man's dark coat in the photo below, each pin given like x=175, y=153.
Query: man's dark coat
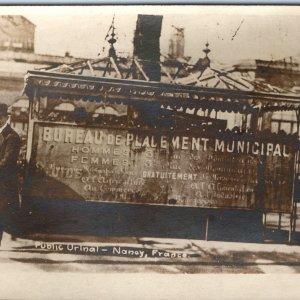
x=9, y=151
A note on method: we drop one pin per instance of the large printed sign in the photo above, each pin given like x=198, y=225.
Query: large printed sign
x=153, y=167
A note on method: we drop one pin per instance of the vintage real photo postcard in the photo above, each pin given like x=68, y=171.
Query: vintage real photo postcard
x=149, y=140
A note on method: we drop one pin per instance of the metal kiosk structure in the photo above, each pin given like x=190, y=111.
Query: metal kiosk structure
x=144, y=143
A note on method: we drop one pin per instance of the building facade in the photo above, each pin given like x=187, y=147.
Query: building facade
x=16, y=34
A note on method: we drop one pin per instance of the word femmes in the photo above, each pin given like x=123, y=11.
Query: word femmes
x=105, y=137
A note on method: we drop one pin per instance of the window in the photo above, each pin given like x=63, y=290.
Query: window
x=286, y=127
x=17, y=45
x=65, y=107
x=294, y=130
x=274, y=126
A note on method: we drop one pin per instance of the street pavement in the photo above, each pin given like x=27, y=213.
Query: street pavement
x=57, y=266
x=146, y=255
x=89, y=267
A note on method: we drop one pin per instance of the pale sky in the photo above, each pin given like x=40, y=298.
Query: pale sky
x=264, y=32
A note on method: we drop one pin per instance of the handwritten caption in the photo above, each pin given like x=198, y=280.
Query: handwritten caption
x=122, y=251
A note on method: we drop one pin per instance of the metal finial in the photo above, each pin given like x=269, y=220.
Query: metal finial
x=206, y=50
x=112, y=40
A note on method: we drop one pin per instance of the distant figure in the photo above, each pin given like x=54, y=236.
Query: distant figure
x=80, y=115
x=9, y=152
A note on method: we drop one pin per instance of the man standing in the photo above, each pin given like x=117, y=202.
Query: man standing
x=9, y=152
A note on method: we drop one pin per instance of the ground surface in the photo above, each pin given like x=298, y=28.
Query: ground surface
x=49, y=266
x=148, y=255
x=30, y=272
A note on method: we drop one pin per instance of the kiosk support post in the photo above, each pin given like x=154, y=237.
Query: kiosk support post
x=293, y=214
x=291, y=227
x=279, y=222
x=206, y=228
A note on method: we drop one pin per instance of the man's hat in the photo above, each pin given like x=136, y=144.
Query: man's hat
x=3, y=109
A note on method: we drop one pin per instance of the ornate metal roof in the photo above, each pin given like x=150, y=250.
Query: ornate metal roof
x=200, y=84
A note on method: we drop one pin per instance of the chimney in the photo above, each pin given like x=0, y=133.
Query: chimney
x=146, y=44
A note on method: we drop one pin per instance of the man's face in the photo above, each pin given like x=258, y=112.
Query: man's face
x=3, y=120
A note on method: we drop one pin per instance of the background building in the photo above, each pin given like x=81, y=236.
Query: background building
x=16, y=34
x=17, y=56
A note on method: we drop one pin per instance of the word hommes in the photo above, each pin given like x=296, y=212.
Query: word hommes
x=95, y=137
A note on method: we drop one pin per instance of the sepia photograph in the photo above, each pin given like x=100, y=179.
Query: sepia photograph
x=148, y=141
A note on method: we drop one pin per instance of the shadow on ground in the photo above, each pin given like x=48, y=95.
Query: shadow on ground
x=119, y=220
